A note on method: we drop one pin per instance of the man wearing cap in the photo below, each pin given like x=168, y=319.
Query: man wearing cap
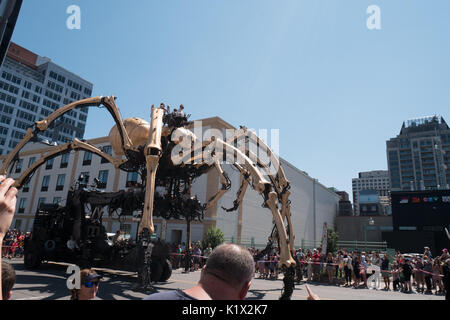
x=89, y=283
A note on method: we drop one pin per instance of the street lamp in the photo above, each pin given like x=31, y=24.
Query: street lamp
x=371, y=222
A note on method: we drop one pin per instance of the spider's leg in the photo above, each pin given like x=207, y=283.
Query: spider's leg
x=245, y=180
x=268, y=191
x=224, y=180
x=152, y=156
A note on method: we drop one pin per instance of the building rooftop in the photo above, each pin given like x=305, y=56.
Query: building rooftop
x=429, y=123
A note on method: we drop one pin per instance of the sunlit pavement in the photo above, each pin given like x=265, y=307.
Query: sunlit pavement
x=49, y=283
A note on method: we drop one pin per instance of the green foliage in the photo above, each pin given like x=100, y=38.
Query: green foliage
x=213, y=236
x=332, y=242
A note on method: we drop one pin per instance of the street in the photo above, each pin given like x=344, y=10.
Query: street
x=49, y=283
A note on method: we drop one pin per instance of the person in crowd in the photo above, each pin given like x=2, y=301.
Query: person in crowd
x=406, y=271
x=316, y=262
x=72, y=245
x=395, y=276
x=446, y=278
x=418, y=274
x=180, y=111
x=384, y=267
x=339, y=264
x=445, y=255
x=330, y=267
x=356, y=271
x=299, y=259
x=263, y=266
x=437, y=279
x=347, y=261
x=427, y=274
x=197, y=252
x=427, y=252
x=208, y=250
x=8, y=280
x=299, y=254
x=117, y=237
x=398, y=257
x=89, y=285
x=227, y=275
x=8, y=201
x=309, y=265
x=275, y=261
x=179, y=256
x=364, y=265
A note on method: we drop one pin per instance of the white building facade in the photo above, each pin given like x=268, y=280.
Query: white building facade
x=312, y=204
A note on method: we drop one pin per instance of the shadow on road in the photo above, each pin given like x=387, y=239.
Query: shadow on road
x=50, y=283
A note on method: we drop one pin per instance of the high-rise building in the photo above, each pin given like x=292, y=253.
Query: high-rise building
x=345, y=206
x=377, y=181
x=31, y=88
x=419, y=157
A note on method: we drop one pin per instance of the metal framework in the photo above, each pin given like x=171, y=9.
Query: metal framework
x=153, y=160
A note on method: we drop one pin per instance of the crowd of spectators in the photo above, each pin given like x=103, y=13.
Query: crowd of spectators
x=13, y=244
x=199, y=255
x=420, y=273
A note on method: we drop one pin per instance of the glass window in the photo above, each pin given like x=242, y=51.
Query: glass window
x=31, y=161
x=87, y=158
x=22, y=204
x=107, y=150
x=19, y=166
x=60, y=182
x=103, y=178
x=64, y=160
x=18, y=224
x=40, y=201
x=49, y=164
x=56, y=200
x=45, y=183
x=132, y=178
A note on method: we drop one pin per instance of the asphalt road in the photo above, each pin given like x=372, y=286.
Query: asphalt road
x=49, y=283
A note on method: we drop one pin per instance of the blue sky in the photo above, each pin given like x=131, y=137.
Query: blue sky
x=335, y=89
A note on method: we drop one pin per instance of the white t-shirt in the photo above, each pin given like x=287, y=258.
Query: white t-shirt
x=71, y=244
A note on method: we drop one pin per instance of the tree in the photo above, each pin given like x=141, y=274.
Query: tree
x=332, y=241
x=213, y=236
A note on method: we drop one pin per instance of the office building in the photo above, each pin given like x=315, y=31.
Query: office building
x=31, y=88
x=377, y=181
x=419, y=157
x=345, y=206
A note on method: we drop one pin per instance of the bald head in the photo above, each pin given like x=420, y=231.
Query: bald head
x=232, y=263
